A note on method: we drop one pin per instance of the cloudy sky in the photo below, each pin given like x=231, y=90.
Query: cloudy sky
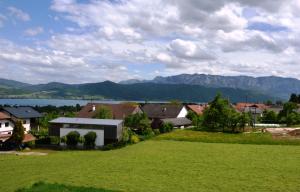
x=78, y=41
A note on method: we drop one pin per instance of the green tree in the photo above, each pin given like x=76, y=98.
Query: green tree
x=138, y=122
x=195, y=118
x=217, y=116
x=17, y=135
x=269, y=117
x=294, y=98
x=103, y=113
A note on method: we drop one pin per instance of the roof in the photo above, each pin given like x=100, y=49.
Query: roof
x=162, y=111
x=197, y=108
x=178, y=121
x=22, y=112
x=28, y=138
x=86, y=121
x=3, y=116
x=241, y=106
x=119, y=111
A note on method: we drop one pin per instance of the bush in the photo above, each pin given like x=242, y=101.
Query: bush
x=63, y=139
x=89, y=140
x=156, y=131
x=148, y=133
x=73, y=139
x=114, y=146
x=166, y=127
x=50, y=140
x=30, y=144
x=134, y=139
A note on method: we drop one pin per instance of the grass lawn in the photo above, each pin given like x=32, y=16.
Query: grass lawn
x=213, y=137
x=157, y=165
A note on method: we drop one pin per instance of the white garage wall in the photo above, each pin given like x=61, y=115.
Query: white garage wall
x=100, y=134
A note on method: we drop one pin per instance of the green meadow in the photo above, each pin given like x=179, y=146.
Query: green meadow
x=160, y=164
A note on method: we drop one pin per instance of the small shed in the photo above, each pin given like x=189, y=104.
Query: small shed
x=107, y=130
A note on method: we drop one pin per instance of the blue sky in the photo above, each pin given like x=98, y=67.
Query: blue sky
x=96, y=40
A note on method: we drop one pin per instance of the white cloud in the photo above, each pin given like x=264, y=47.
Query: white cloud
x=192, y=36
x=18, y=14
x=34, y=31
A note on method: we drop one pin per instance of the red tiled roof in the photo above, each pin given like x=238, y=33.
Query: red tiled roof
x=119, y=111
x=197, y=108
x=242, y=106
x=3, y=116
x=28, y=137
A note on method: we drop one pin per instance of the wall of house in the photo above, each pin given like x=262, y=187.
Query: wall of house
x=4, y=129
x=183, y=112
x=100, y=134
x=26, y=124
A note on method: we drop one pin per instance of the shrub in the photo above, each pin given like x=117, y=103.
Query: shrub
x=166, y=127
x=148, y=133
x=134, y=139
x=30, y=144
x=63, y=139
x=73, y=139
x=126, y=134
x=156, y=131
x=89, y=140
x=50, y=140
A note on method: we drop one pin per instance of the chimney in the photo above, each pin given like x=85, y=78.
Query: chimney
x=94, y=108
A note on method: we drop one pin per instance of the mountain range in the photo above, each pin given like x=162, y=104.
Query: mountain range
x=271, y=85
x=185, y=87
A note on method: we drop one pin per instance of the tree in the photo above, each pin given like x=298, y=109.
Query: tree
x=138, y=122
x=217, y=116
x=244, y=120
x=294, y=98
x=17, y=135
x=195, y=118
x=269, y=117
x=103, y=113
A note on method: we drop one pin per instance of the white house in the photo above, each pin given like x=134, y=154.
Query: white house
x=107, y=130
x=27, y=115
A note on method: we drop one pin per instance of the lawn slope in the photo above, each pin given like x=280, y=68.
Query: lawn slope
x=161, y=166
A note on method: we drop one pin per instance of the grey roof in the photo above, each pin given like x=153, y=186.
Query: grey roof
x=178, y=121
x=86, y=121
x=22, y=112
x=162, y=111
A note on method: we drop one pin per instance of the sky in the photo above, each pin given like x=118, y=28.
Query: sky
x=80, y=41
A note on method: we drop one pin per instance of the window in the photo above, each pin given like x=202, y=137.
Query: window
x=24, y=121
x=7, y=124
x=0, y=125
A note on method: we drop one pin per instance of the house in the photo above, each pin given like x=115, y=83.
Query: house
x=119, y=111
x=107, y=130
x=198, y=109
x=28, y=116
x=160, y=112
x=6, y=126
x=180, y=122
x=249, y=107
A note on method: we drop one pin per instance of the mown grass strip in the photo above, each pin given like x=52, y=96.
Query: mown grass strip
x=217, y=137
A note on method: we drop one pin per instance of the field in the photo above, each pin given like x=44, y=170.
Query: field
x=217, y=137
x=158, y=165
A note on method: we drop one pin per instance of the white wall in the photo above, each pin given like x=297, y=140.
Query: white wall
x=100, y=134
x=183, y=112
x=6, y=130
x=26, y=125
